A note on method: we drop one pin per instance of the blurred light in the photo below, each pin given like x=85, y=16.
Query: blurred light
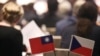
x=3, y=1
x=97, y=2
x=25, y=2
x=60, y=1
x=40, y=7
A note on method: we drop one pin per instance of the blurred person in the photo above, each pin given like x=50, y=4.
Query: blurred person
x=51, y=17
x=63, y=8
x=86, y=26
x=29, y=14
x=11, y=40
x=70, y=18
x=64, y=12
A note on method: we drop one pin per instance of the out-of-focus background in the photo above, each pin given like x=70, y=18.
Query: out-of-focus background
x=52, y=16
x=48, y=14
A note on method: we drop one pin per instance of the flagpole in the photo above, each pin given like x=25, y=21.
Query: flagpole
x=55, y=53
x=68, y=53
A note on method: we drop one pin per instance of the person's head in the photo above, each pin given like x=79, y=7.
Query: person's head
x=52, y=5
x=12, y=12
x=86, y=16
x=88, y=11
x=64, y=8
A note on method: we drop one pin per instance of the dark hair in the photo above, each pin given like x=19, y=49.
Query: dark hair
x=88, y=10
x=52, y=5
x=87, y=16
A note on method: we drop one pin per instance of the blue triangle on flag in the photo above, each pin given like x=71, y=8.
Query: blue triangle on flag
x=75, y=44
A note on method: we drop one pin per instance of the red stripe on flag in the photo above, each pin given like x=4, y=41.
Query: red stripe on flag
x=84, y=51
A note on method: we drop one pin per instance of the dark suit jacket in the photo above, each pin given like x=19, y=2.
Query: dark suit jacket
x=50, y=20
x=68, y=21
x=10, y=41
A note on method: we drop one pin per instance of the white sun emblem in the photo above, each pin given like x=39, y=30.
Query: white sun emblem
x=47, y=39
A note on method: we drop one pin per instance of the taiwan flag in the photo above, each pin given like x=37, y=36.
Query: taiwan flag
x=81, y=46
x=41, y=44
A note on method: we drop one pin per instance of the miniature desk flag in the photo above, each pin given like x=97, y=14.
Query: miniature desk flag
x=31, y=30
x=81, y=46
x=42, y=44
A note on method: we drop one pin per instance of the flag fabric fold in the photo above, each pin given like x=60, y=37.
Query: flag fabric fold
x=41, y=44
x=81, y=46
